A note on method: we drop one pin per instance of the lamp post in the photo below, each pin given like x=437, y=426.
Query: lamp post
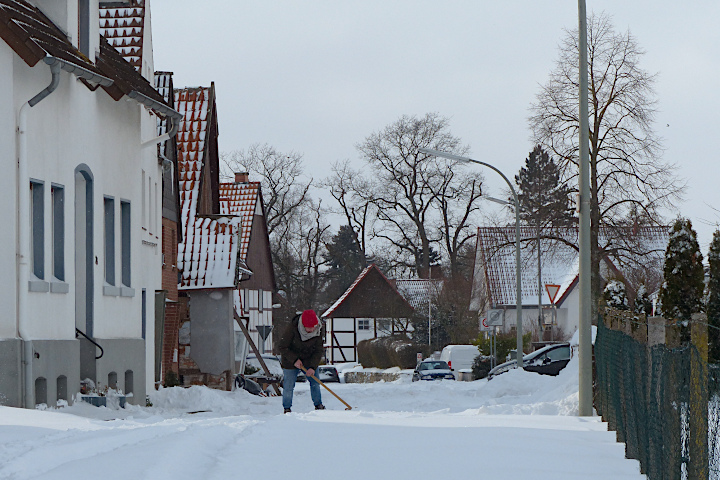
x=585, y=401
x=518, y=277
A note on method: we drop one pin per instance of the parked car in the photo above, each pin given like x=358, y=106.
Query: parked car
x=432, y=370
x=327, y=374
x=548, y=360
x=273, y=364
x=459, y=357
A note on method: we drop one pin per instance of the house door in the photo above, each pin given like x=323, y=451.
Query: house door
x=84, y=261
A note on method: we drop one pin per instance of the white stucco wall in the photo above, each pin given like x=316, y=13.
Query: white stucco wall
x=8, y=297
x=76, y=126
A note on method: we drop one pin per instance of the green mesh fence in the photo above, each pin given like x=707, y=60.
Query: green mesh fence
x=714, y=421
x=644, y=393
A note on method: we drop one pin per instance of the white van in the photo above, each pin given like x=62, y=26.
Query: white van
x=459, y=357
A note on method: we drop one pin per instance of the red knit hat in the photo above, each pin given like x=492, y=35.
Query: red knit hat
x=309, y=318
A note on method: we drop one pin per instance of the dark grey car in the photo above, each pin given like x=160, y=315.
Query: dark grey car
x=548, y=360
x=432, y=370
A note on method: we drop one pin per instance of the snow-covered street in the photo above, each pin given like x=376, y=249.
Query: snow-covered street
x=519, y=425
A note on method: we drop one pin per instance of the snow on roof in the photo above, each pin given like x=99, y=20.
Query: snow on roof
x=208, y=257
x=496, y=253
x=241, y=200
x=123, y=29
x=163, y=84
x=495, y=259
x=419, y=291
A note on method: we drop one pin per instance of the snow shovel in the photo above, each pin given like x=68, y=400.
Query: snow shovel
x=327, y=388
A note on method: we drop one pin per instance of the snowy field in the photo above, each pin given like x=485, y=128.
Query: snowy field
x=519, y=425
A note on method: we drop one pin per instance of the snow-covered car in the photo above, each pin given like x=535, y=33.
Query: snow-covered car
x=432, y=370
x=548, y=360
x=273, y=364
x=327, y=374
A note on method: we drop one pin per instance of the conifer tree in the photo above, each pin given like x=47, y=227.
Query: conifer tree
x=544, y=199
x=713, y=299
x=346, y=261
x=682, y=290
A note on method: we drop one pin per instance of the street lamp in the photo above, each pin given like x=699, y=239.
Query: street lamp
x=518, y=277
x=585, y=393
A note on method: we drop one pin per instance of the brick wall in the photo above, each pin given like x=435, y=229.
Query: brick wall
x=172, y=308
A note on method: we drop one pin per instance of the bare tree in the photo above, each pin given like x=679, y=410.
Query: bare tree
x=625, y=166
x=280, y=174
x=352, y=191
x=299, y=257
x=458, y=203
x=406, y=183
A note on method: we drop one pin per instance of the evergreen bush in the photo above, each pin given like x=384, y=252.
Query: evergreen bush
x=713, y=299
x=504, y=343
x=171, y=379
x=615, y=295
x=481, y=366
x=681, y=293
x=390, y=351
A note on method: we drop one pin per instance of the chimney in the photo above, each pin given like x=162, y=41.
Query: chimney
x=241, y=177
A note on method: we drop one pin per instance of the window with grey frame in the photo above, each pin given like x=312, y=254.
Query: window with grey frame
x=109, y=204
x=57, y=194
x=37, y=226
x=125, y=241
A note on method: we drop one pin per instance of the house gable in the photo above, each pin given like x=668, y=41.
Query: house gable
x=371, y=295
x=209, y=255
x=244, y=200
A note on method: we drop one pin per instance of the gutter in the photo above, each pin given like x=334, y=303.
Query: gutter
x=172, y=116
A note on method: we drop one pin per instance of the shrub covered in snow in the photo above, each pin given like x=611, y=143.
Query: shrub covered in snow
x=682, y=290
x=615, y=295
x=643, y=304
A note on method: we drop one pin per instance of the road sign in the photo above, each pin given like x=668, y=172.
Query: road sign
x=419, y=357
x=484, y=327
x=264, y=331
x=552, y=291
x=495, y=318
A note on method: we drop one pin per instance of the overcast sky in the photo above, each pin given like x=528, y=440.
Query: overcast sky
x=317, y=77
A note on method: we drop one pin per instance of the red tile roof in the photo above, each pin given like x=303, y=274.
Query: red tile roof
x=123, y=29
x=241, y=199
x=208, y=256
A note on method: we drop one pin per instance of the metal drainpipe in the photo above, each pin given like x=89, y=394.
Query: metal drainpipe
x=23, y=247
x=175, y=122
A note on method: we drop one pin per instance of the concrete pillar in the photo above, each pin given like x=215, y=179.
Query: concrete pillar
x=698, y=465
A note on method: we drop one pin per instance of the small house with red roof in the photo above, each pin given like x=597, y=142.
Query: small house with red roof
x=216, y=243
x=243, y=200
x=84, y=206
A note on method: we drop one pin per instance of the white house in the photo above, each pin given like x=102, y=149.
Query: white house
x=494, y=286
x=82, y=208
